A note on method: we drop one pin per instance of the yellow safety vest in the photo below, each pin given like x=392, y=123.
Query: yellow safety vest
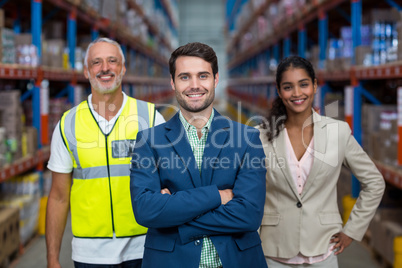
x=100, y=197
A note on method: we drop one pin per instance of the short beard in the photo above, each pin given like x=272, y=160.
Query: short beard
x=184, y=105
x=105, y=90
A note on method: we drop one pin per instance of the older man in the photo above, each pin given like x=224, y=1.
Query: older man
x=90, y=156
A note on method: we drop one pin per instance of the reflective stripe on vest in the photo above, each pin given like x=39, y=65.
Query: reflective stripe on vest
x=100, y=194
x=70, y=133
x=100, y=172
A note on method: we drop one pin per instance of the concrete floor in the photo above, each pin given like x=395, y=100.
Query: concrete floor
x=34, y=255
x=356, y=256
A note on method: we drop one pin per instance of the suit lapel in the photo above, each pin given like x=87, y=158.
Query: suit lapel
x=279, y=146
x=216, y=140
x=320, y=141
x=179, y=141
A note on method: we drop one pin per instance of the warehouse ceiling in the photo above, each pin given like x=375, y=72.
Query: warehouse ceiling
x=203, y=21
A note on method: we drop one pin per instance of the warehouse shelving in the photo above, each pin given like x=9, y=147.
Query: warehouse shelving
x=380, y=72
x=148, y=21
x=333, y=76
x=148, y=80
x=75, y=10
x=25, y=164
x=304, y=16
x=391, y=175
x=115, y=29
x=242, y=61
x=169, y=6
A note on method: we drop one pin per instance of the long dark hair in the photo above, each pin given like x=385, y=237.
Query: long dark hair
x=278, y=115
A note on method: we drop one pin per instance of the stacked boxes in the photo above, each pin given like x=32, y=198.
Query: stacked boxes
x=384, y=35
x=29, y=141
x=346, y=48
x=398, y=26
x=22, y=192
x=314, y=57
x=27, y=53
x=53, y=53
x=363, y=53
x=16, y=140
x=9, y=233
x=29, y=211
x=56, y=109
x=389, y=137
x=380, y=141
x=7, y=45
x=380, y=132
x=18, y=48
x=11, y=120
x=7, y=42
x=384, y=228
x=21, y=185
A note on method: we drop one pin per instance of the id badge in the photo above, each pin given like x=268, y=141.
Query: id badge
x=122, y=148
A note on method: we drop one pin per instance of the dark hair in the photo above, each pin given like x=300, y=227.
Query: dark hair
x=278, y=115
x=195, y=49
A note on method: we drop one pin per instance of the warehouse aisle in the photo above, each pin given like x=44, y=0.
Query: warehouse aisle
x=42, y=58
x=35, y=253
x=356, y=256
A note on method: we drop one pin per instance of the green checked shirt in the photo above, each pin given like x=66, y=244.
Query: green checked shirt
x=209, y=255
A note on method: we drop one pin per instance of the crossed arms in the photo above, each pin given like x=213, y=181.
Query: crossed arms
x=206, y=210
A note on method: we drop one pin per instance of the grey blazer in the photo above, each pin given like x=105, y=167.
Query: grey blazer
x=294, y=223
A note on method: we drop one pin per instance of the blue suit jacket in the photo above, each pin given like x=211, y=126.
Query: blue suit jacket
x=233, y=158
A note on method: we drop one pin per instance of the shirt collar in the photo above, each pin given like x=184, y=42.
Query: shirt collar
x=100, y=118
x=187, y=126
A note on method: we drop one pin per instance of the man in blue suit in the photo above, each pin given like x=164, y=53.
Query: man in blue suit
x=198, y=181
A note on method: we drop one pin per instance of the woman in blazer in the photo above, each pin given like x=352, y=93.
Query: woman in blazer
x=305, y=152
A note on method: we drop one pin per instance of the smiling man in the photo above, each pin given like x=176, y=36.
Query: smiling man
x=90, y=157
x=204, y=209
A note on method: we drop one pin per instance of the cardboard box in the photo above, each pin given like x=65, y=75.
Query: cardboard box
x=383, y=237
x=371, y=123
x=11, y=121
x=363, y=53
x=32, y=140
x=23, y=39
x=28, y=214
x=9, y=232
x=7, y=45
x=346, y=63
x=54, y=52
x=54, y=30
